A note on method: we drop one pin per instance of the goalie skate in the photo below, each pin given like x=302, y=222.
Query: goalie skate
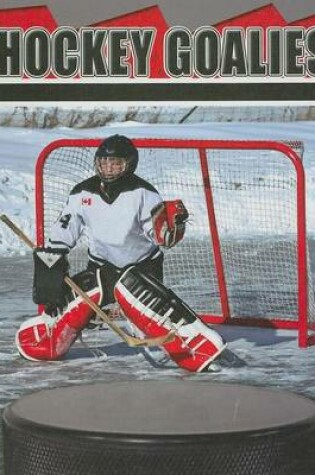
x=156, y=310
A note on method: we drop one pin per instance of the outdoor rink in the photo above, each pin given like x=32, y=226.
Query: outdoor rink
x=263, y=357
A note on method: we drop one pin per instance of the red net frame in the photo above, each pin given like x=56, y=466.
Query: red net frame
x=302, y=323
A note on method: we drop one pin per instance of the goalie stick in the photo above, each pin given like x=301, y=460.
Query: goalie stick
x=128, y=339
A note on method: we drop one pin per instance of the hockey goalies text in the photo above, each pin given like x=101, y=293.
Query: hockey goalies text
x=117, y=52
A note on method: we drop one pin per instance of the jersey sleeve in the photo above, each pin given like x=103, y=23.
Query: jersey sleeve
x=150, y=199
x=68, y=228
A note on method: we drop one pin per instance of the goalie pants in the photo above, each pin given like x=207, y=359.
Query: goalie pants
x=110, y=274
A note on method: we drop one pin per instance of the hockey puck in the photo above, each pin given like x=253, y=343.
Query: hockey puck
x=159, y=427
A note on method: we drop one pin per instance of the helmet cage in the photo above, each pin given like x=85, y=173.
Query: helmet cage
x=114, y=148
x=111, y=169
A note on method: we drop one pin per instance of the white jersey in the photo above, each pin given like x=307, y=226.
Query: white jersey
x=119, y=227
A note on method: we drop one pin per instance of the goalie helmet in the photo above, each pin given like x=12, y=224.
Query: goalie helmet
x=115, y=158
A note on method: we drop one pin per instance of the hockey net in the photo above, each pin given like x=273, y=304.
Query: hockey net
x=244, y=258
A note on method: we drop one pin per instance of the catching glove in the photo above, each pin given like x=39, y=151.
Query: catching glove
x=169, y=221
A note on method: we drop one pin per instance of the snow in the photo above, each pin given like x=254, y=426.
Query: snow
x=263, y=357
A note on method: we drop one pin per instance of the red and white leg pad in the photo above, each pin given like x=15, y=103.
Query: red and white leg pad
x=156, y=310
x=48, y=338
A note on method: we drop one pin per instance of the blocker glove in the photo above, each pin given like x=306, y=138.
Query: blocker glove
x=50, y=268
x=169, y=222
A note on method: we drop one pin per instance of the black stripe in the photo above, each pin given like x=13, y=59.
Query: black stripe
x=162, y=92
x=93, y=185
x=98, y=260
x=60, y=243
x=154, y=255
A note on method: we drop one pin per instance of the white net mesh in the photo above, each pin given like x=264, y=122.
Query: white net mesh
x=254, y=193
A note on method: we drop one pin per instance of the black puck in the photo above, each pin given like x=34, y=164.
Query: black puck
x=159, y=427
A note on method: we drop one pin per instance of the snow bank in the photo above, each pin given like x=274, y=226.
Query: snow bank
x=87, y=115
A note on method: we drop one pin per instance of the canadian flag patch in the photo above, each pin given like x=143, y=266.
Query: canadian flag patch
x=87, y=201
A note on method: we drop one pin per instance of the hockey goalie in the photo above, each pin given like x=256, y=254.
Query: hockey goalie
x=128, y=226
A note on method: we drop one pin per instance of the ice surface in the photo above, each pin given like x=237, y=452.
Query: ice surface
x=264, y=357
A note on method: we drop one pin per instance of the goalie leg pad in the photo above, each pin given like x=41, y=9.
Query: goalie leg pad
x=47, y=338
x=156, y=310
